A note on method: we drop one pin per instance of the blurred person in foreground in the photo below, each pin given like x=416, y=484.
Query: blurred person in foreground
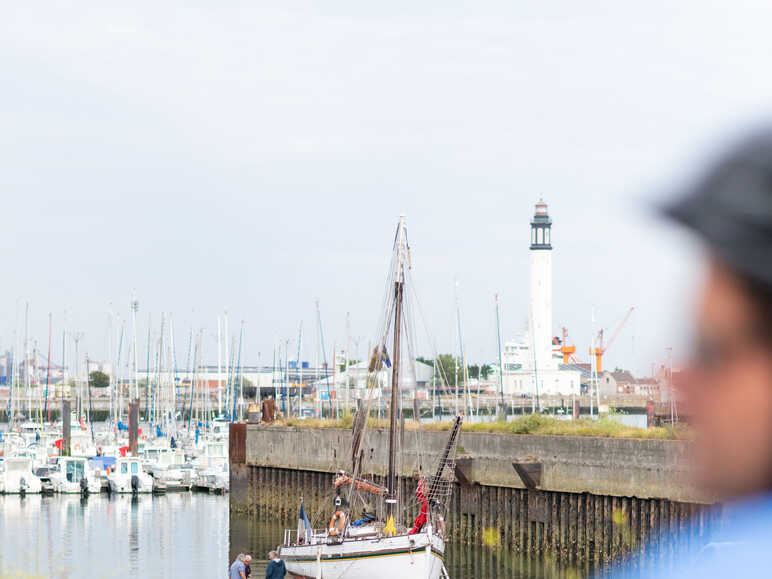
x=729, y=388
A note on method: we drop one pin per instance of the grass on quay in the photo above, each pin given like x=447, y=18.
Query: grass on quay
x=605, y=427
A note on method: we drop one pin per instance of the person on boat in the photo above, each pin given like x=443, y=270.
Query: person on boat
x=237, y=568
x=728, y=387
x=276, y=568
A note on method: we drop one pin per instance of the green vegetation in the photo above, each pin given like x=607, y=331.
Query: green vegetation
x=342, y=367
x=535, y=424
x=603, y=427
x=448, y=366
x=99, y=379
x=483, y=371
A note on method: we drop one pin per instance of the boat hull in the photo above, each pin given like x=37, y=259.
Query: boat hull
x=413, y=556
x=71, y=488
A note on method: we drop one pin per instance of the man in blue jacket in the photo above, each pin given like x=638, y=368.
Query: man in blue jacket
x=276, y=568
x=729, y=385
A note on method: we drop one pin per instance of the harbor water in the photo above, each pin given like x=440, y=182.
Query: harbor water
x=178, y=535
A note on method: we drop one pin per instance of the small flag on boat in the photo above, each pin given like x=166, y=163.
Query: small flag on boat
x=385, y=356
x=390, y=530
x=304, y=525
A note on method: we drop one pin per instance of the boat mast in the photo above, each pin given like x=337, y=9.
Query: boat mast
x=503, y=409
x=399, y=283
x=300, y=371
x=134, y=307
x=27, y=381
x=46, y=410
x=219, y=367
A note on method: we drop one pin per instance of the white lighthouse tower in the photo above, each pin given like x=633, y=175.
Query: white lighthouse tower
x=528, y=365
x=540, y=315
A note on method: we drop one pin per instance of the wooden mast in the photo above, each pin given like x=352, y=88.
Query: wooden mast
x=394, y=409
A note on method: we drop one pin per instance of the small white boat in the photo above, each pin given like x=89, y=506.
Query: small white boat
x=212, y=468
x=212, y=481
x=74, y=476
x=168, y=466
x=128, y=477
x=17, y=477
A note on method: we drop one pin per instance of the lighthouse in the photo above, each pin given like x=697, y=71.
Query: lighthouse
x=528, y=366
x=540, y=315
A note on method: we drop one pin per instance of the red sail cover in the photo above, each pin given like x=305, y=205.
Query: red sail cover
x=420, y=520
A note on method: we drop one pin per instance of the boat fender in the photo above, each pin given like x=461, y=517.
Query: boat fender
x=134, y=483
x=336, y=523
x=84, y=486
x=22, y=486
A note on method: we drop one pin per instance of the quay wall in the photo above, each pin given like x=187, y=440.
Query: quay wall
x=604, y=466
x=596, y=500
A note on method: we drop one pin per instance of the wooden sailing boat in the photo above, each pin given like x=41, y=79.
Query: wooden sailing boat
x=379, y=545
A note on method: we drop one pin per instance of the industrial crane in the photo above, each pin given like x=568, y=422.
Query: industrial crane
x=600, y=349
x=566, y=350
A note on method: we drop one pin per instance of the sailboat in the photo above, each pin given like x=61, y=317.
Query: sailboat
x=379, y=544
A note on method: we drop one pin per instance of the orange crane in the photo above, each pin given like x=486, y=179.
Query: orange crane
x=565, y=349
x=600, y=349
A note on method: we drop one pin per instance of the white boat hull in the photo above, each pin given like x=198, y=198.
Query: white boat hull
x=71, y=488
x=404, y=556
x=14, y=486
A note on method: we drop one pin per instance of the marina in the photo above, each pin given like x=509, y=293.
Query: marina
x=72, y=458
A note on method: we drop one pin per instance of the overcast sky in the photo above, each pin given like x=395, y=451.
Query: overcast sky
x=256, y=156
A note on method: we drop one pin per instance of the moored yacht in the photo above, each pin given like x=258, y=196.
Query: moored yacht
x=74, y=476
x=128, y=477
x=17, y=476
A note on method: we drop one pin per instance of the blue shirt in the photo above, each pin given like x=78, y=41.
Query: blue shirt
x=236, y=570
x=739, y=546
x=275, y=569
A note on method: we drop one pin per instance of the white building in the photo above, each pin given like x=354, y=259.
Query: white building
x=412, y=377
x=530, y=367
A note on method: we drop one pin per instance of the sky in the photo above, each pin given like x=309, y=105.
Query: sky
x=255, y=157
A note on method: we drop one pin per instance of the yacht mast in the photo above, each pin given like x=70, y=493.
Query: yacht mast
x=219, y=366
x=399, y=283
x=134, y=307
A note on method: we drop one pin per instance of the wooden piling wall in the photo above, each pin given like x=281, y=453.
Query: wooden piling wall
x=577, y=529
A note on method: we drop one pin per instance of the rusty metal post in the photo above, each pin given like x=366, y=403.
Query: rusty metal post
x=66, y=427
x=133, y=426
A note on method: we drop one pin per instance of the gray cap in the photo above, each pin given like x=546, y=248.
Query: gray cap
x=730, y=207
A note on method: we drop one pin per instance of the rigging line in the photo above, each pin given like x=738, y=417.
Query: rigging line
x=432, y=343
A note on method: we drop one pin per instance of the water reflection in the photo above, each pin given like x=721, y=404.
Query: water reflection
x=178, y=535
x=251, y=535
